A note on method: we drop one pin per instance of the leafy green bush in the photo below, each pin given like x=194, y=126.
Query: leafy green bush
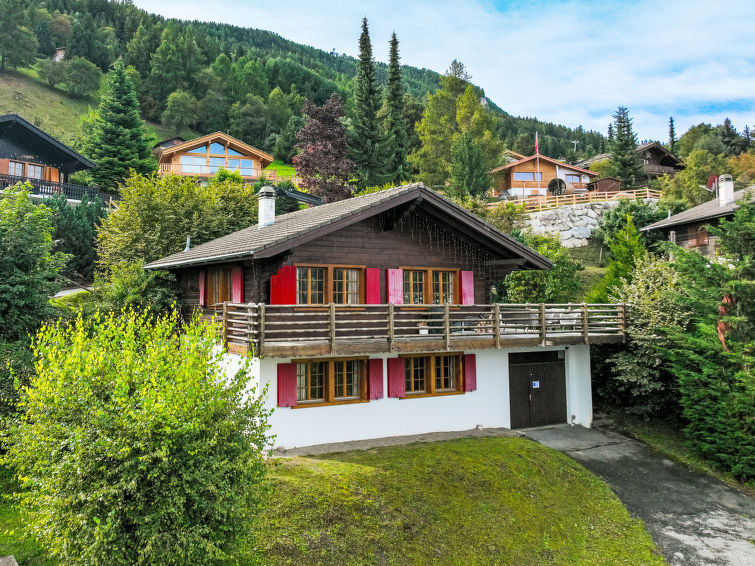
x=626, y=248
x=136, y=445
x=642, y=213
x=129, y=286
x=16, y=365
x=75, y=233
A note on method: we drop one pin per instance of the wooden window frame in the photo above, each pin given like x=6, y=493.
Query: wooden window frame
x=328, y=283
x=41, y=171
x=430, y=389
x=211, y=292
x=329, y=392
x=428, y=291
x=13, y=163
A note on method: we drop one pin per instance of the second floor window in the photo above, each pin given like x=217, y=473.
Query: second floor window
x=310, y=285
x=219, y=283
x=572, y=178
x=443, y=287
x=16, y=168
x=34, y=171
x=345, y=286
x=414, y=287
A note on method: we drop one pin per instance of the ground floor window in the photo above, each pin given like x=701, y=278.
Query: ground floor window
x=331, y=381
x=430, y=375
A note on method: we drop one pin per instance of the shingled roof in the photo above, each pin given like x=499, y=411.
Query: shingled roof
x=295, y=228
x=706, y=211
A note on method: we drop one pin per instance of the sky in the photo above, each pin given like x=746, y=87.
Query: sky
x=570, y=62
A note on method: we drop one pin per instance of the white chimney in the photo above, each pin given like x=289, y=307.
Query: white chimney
x=725, y=190
x=266, y=212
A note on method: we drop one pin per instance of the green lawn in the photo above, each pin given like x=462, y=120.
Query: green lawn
x=281, y=168
x=470, y=501
x=590, y=276
x=12, y=541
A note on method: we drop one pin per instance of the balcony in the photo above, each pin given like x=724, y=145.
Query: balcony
x=657, y=170
x=207, y=171
x=283, y=331
x=49, y=188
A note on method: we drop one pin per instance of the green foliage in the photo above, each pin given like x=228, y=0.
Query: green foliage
x=469, y=172
x=642, y=214
x=285, y=145
x=560, y=284
x=158, y=213
x=28, y=266
x=626, y=249
x=16, y=366
x=137, y=445
x=129, y=286
x=180, y=112
x=53, y=72
x=690, y=138
x=116, y=139
x=689, y=184
x=624, y=159
x=603, y=167
x=82, y=77
x=18, y=46
x=75, y=233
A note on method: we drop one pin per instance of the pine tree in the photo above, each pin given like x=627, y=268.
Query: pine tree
x=671, y=136
x=610, y=135
x=118, y=141
x=366, y=144
x=746, y=138
x=624, y=159
x=395, y=123
x=626, y=249
x=18, y=46
x=469, y=172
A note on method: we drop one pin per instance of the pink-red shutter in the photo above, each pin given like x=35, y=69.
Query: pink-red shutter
x=287, y=279
x=286, y=385
x=237, y=285
x=372, y=286
x=396, y=286
x=466, y=285
x=202, y=288
x=396, y=377
x=470, y=372
x=375, y=376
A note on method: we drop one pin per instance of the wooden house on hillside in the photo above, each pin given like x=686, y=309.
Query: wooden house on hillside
x=374, y=317
x=539, y=176
x=656, y=160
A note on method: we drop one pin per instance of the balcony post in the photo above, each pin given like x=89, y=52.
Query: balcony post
x=622, y=320
x=585, y=324
x=262, y=328
x=447, y=325
x=250, y=326
x=497, y=325
x=543, y=330
x=390, y=327
x=225, y=324
x=332, y=325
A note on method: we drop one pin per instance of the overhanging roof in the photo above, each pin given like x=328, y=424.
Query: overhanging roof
x=706, y=211
x=229, y=141
x=296, y=228
x=543, y=158
x=46, y=148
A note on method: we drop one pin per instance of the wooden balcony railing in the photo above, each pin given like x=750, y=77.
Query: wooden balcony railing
x=49, y=188
x=281, y=331
x=536, y=204
x=659, y=169
x=208, y=171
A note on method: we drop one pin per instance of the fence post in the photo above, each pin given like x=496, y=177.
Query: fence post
x=622, y=320
x=497, y=325
x=262, y=328
x=447, y=325
x=543, y=332
x=332, y=325
x=585, y=324
x=390, y=327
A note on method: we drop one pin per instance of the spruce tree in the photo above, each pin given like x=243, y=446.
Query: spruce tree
x=624, y=159
x=610, y=135
x=395, y=123
x=671, y=136
x=469, y=172
x=118, y=141
x=366, y=144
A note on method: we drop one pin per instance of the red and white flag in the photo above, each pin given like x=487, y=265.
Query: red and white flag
x=537, y=150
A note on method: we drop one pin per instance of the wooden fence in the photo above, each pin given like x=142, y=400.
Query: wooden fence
x=536, y=204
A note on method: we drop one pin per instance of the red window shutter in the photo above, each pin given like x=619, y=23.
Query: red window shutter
x=202, y=288
x=372, y=286
x=470, y=372
x=466, y=285
x=286, y=385
x=287, y=278
x=375, y=377
x=396, y=286
x=396, y=377
x=237, y=285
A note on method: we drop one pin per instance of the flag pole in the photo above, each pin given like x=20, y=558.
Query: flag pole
x=537, y=158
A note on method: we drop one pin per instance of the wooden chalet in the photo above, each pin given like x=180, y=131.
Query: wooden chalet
x=203, y=157
x=539, y=176
x=656, y=160
x=376, y=314
x=27, y=154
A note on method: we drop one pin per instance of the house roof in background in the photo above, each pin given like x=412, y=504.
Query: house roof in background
x=543, y=158
x=641, y=147
x=295, y=228
x=706, y=211
x=230, y=141
x=60, y=154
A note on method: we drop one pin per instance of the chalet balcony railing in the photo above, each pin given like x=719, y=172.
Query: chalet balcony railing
x=536, y=204
x=50, y=188
x=209, y=171
x=293, y=331
x=659, y=169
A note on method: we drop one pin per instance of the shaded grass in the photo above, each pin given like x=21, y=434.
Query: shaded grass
x=590, y=276
x=12, y=540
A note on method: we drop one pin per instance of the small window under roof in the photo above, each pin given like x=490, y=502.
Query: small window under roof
x=200, y=149
x=217, y=148
x=232, y=152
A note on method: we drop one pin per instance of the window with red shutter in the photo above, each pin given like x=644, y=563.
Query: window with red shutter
x=237, y=285
x=466, y=281
x=396, y=384
x=372, y=286
x=375, y=376
x=283, y=286
x=395, y=279
x=286, y=385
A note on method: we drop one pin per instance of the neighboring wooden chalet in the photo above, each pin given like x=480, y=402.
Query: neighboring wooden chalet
x=29, y=154
x=688, y=229
x=605, y=185
x=656, y=160
x=374, y=315
x=203, y=157
x=539, y=176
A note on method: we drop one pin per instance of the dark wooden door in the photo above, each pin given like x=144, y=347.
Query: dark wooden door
x=537, y=389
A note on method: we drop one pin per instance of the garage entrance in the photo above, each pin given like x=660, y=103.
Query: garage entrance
x=537, y=388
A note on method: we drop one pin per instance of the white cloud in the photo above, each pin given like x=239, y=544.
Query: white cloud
x=571, y=62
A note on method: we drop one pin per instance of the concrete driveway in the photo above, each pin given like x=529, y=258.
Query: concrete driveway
x=694, y=519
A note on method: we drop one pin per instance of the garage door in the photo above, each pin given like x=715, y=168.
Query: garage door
x=537, y=388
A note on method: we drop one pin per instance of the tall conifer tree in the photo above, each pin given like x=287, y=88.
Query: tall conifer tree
x=395, y=123
x=366, y=143
x=626, y=164
x=118, y=140
x=671, y=136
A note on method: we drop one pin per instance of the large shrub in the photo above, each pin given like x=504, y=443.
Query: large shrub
x=75, y=233
x=136, y=445
x=626, y=248
x=642, y=213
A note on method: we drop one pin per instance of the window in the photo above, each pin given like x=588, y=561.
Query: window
x=191, y=164
x=15, y=168
x=219, y=286
x=346, y=286
x=572, y=178
x=331, y=381
x=414, y=287
x=217, y=148
x=524, y=176
x=310, y=285
x=430, y=286
x=235, y=153
x=216, y=163
x=443, y=287
x=247, y=167
x=430, y=375
x=34, y=171
x=200, y=149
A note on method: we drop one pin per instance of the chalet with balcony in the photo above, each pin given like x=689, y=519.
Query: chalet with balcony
x=656, y=160
x=203, y=157
x=27, y=154
x=375, y=316
x=539, y=175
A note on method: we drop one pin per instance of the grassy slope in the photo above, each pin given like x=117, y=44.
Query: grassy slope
x=471, y=501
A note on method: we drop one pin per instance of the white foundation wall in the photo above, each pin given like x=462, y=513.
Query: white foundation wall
x=487, y=407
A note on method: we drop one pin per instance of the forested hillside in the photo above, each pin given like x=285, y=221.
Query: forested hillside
x=208, y=76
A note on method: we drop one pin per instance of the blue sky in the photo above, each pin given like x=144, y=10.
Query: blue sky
x=570, y=62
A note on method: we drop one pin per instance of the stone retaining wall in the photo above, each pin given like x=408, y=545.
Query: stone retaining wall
x=573, y=223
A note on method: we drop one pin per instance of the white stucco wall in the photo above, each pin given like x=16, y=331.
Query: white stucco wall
x=488, y=406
